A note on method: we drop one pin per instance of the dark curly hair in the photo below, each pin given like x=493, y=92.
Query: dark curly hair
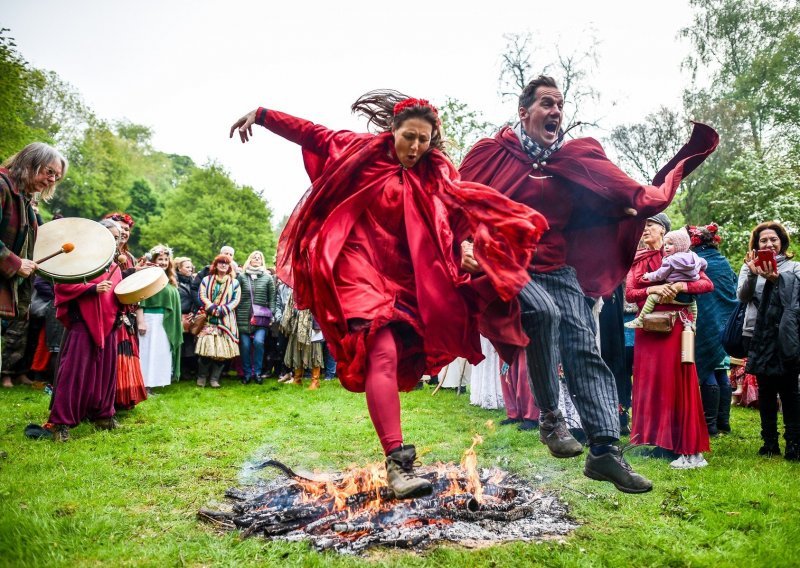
x=378, y=107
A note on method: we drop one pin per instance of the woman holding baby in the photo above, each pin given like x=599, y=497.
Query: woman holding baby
x=667, y=408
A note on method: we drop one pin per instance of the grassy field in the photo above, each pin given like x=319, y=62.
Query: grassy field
x=129, y=497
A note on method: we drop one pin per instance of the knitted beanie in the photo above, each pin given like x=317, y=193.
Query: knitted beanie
x=680, y=240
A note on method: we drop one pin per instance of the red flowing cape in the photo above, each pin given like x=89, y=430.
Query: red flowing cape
x=99, y=311
x=601, y=238
x=439, y=211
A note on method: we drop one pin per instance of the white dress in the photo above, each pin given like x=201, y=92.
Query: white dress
x=154, y=352
x=485, y=389
x=456, y=374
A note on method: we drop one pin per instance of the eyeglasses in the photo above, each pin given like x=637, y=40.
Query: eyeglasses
x=50, y=173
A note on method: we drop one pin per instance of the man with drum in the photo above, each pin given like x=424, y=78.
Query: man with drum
x=30, y=174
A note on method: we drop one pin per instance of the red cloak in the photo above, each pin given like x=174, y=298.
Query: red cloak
x=585, y=196
x=99, y=311
x=375, y=241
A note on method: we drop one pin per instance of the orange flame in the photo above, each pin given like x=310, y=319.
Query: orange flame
x=469, y=463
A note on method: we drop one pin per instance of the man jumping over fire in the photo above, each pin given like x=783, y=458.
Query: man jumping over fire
x=596, y=214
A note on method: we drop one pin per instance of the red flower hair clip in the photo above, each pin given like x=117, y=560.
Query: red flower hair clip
x=121, y=218
x=704, y=235
x=412, y=102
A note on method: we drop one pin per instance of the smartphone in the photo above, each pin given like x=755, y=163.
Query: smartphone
x=766, y=258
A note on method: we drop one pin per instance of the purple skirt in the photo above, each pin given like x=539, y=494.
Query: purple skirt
x=86, y=382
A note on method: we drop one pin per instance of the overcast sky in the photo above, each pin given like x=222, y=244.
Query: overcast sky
x=189, y=69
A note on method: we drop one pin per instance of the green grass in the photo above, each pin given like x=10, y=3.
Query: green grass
x=129, y=497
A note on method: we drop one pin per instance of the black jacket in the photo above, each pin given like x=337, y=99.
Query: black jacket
x=188, y=303
x=775, y=347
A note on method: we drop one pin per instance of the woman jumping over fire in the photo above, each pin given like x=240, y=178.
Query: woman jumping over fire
x=373, y=250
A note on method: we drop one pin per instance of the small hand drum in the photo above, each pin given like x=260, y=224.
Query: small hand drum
x=142, y=284
x=94, y=249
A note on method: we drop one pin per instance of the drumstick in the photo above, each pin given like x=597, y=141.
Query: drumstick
x=66, y=247
x=121, y=259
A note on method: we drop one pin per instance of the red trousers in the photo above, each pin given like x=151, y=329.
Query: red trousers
x=383, y=396
x=517, y=394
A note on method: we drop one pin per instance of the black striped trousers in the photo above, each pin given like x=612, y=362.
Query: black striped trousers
x=557, y=319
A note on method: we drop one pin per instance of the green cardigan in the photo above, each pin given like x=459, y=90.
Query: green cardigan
x=263, y=295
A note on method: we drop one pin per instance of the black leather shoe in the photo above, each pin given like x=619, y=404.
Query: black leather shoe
x=508, y=421
x=526, y=425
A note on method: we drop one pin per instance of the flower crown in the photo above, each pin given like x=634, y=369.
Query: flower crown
x=704, y=235
x=412, y=102
x=157, y=250
x=121, y=218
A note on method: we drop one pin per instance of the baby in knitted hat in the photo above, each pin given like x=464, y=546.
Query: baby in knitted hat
x=679, y=265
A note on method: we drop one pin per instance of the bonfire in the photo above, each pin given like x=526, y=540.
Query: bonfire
x=355, y=510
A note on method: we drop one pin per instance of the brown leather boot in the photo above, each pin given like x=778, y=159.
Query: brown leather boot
x=400, y=474
x=315, y=372
x=298, y=377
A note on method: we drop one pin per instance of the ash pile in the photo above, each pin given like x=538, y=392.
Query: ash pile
x=355, y=511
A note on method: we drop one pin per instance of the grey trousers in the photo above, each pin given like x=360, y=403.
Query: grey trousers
x=560, y=325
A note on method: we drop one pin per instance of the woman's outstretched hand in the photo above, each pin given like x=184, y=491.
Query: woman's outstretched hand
x=245, y=126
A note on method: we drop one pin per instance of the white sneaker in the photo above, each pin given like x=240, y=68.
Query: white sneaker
x=697, y=460
x=681, y=463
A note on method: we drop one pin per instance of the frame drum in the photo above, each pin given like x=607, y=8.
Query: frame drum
x=141, y=285
x=94, y=249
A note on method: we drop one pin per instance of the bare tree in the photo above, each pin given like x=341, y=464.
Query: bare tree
x=572, y=70
x=646, y=146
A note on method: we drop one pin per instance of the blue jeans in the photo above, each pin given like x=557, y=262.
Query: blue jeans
x=252, y=348
x=330, y=362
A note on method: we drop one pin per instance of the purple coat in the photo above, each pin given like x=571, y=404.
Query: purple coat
x=678, y=267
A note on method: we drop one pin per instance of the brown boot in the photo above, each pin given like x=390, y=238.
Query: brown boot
x=106, y=423
x=400, y=474
x=553, y=432
x=298, y=377
x=60, y=433
x=315, y=372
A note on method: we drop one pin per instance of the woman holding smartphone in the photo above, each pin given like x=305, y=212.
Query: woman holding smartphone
x=758, y=281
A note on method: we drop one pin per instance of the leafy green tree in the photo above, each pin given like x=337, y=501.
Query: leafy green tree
x=753, y=190
x=207, y=211
x=17, y=110
x=750, y=50
x=60, y=109
x=100, y=176
x=462, y=128
x=145, y=205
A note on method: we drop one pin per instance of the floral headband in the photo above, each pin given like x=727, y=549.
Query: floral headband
x=120, y=217
x=704, y=235
x=157, y=250
x=412, y=102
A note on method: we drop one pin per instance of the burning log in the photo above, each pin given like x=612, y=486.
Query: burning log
x=325, y=522
x=361, y=499
x=463, y=501
x=356, y=527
